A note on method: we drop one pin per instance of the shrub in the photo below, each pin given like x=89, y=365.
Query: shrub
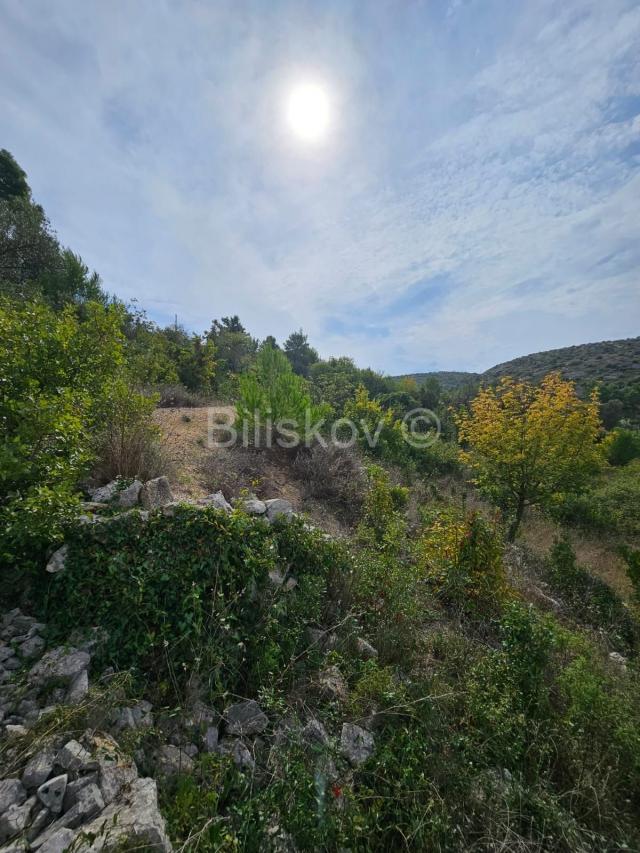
x=461, y=556
x=55, y=371
x=127, y=443
x=623, y=445
x=189, y=595
x=333, y=474
x=177, y=396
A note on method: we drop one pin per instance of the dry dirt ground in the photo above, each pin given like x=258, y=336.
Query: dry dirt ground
x=195, y=469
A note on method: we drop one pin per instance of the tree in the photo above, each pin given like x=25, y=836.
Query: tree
x=235, y=348
x=13, y=179
x=300, y=353
x=529, y=445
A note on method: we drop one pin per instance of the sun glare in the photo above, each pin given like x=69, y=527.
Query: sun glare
x=308, y=112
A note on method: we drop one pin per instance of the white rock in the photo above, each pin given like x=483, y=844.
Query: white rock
x=239, y=753
x=78, y=689
x=51, y=793
x=58, y=559
x=156, y=493
x=73, y=756
x=38, y=768
x=253, y=506
x=278, y=507
x=58, y=842
x=59, y=664
x=171, y=760
x=216, y=500
x=246, y=718
x=31, y=647
x=104, y=494
x=356, y=744
x=15, y=819
x=12, y=793
x=129, y=496
x=130, y=823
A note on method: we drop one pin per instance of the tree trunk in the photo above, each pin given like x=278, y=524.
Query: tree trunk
x=515, y=524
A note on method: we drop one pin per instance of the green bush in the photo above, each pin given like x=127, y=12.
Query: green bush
x=623, y=446
x=55, y=372
x=126, y=441
x=610, y=506
x=190, y=595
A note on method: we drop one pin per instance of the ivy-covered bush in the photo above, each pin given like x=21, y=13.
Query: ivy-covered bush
x=190, y=596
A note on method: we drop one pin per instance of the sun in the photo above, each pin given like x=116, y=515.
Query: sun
x=308, y=112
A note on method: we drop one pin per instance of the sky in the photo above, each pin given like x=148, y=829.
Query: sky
x=476, y=196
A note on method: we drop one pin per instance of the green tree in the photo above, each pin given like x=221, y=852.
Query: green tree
x=13, y=179
x=235, y=348
x=300, y=353
x=55, y=372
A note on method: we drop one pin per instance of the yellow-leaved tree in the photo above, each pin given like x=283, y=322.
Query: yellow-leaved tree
x=528, y=445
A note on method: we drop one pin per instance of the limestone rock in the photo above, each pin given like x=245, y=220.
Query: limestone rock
x=73, y=756
x=253, y=506
x=129, y=497
x=15, y=819
x=365, y=650
x=130, y=823
x=38, y=768
x=239, y=753
x=210, y=739
x=104, y=494
x=12, y=793
x=78, y=689
x=278, y=507
x=246, y=718
x=216, y=500
x=58, y=842
x=156, y=493
x=57, y=560
x=51, y=793
x=356, y=744
x=31, y=647
x=315, y=734
x=171, y=760
x=332, y=685
x=59, y=664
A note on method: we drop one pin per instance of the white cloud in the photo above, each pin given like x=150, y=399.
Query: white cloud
x=153, y=138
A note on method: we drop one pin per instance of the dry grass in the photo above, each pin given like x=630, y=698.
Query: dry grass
x=199, y=470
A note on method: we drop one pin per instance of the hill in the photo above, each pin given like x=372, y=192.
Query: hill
x=450, y=380
x=610, y=362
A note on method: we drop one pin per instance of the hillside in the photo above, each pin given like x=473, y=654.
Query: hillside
x=606, y=361
x=611, y=362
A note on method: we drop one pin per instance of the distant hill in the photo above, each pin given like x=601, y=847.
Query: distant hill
x=448, y=379
x=607, y=361
x=611, y=362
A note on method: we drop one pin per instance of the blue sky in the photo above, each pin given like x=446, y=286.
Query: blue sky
x=477, y=197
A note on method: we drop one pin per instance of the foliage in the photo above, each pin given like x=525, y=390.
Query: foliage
x=189, y=595
x=590, y=599
x=623, y=445
x=631, y=556
x=333, y=474
x=300, y=353
x=235, y=348
x=610, y=506
x=13, y=179
x=336, y=380
x=530, y=445
x=273, y=394
x=56, y=371
x=126, y=443
x=461, y=556
x=380, y=434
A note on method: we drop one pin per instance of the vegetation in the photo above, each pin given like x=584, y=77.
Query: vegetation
x=530, y=445
x=497, y=726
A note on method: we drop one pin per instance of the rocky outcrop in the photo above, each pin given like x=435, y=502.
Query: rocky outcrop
x=156, y=493
x=97, y=803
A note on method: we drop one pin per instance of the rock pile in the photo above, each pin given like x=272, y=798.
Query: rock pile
x=83, y=793
x=34, y=683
